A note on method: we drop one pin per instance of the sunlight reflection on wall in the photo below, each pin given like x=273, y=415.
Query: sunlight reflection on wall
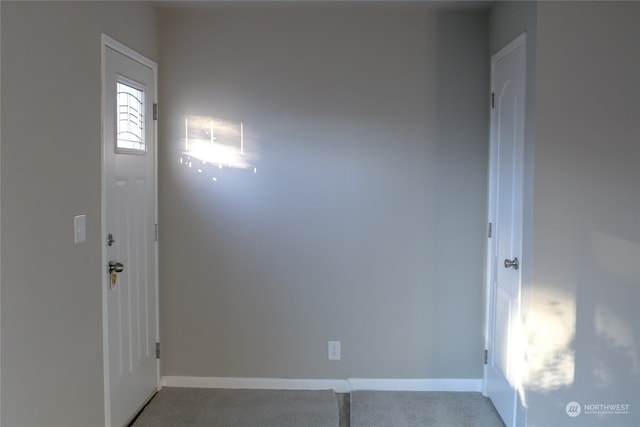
x=212, y=145
x=620, y=259
x=618, y=334
x=607, y=322
x=550, y=353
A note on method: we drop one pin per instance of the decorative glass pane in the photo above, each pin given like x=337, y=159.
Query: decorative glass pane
x=130, y=113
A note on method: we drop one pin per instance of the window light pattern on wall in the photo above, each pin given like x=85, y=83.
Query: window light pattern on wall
x=130, y=113
x=212, y=144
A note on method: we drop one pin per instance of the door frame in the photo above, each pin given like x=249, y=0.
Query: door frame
x=0, y=270
x=108, y=42
x=491, y=248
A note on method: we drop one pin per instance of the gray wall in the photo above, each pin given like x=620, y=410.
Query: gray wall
x=365, y=221
x=370, y=129
x=51, y=300
x=586, y=241
x=584, y=285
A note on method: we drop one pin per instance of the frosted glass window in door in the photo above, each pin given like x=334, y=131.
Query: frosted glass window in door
x=130, y=117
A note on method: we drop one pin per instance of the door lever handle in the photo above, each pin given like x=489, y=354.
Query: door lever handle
x=115, y=267
x=512, y=263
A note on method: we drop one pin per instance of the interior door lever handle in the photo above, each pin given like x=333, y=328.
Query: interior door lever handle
x=512, y=263
x=115, y=267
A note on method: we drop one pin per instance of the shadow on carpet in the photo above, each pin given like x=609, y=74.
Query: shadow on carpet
x=413, y=409
x=196, y=407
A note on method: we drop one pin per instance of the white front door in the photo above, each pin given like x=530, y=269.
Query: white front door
x=505, y=337
x=129, y=233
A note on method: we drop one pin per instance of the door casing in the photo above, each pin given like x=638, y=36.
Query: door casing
x=520, y=409
x=108, y=42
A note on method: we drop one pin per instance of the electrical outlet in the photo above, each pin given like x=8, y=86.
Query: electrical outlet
x=334, y=350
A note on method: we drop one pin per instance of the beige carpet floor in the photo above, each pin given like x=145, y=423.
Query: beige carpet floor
x=422, y=409
x=194, y=407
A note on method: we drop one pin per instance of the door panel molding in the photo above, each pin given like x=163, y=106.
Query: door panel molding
x=110, y=43
x=503, y=329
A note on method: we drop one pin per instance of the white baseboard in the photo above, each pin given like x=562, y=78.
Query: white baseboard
x=340, y=386
x=423, y=384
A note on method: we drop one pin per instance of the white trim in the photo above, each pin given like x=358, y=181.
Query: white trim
x=491, y=199
x=0, y=269
x=424, y=384
x=126, y=51
x=519, y=409
x=510, y=47
x=109, y=42
x=340, y=386
x=103, y=226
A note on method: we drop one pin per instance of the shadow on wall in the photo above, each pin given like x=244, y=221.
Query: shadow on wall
x=584, y=343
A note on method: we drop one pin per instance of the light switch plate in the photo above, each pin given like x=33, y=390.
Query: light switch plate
x=79, y=228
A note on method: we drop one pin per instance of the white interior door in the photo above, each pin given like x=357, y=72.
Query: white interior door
x=129, y=233
x=505, y=337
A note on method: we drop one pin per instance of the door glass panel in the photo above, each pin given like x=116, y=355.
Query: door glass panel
x=130, y=118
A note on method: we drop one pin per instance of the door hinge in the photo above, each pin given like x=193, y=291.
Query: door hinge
x=493, y=100
x=155, y=232
x=490, y=230
x=486, y=356
x=158, y=350
x=155, y=111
